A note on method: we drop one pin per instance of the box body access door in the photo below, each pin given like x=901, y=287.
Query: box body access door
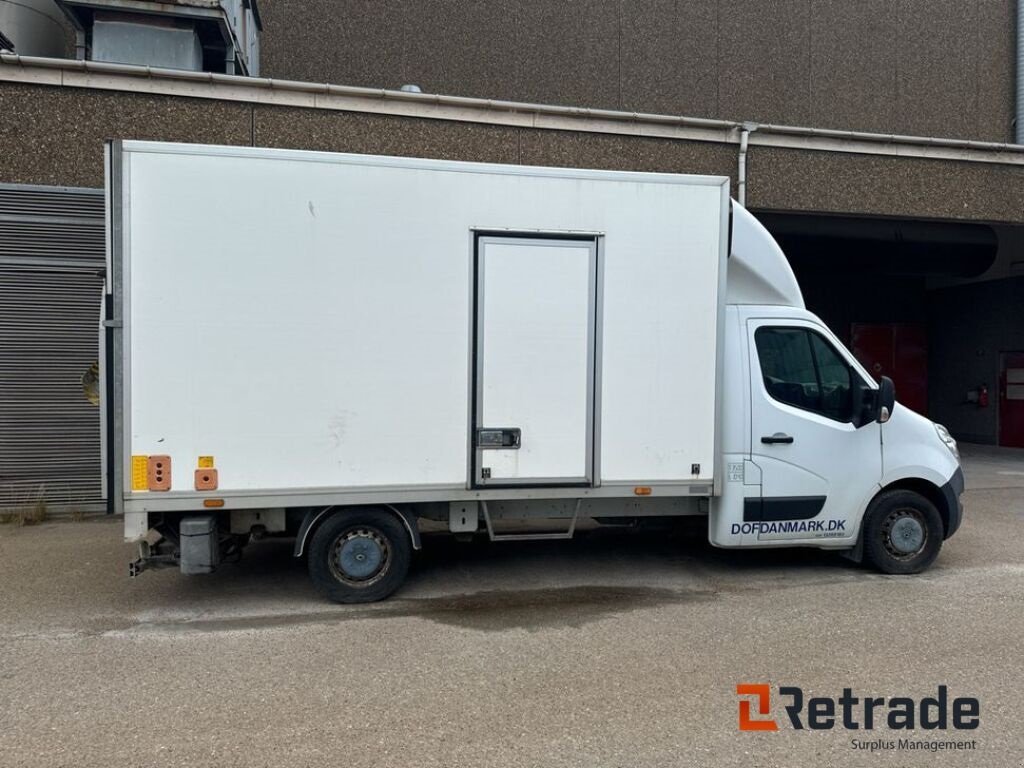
x=535, y=346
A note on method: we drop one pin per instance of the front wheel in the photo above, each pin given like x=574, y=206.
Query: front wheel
x=902, y=532
x=359, y=556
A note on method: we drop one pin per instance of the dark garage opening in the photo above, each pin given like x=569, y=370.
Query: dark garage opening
x=890, y=289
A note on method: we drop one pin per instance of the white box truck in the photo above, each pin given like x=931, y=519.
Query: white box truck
x=337, y=347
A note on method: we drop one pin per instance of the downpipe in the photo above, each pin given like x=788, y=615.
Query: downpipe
x=1019, y=116
x=741, y=176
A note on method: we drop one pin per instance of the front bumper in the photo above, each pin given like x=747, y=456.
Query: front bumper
x=951, y=492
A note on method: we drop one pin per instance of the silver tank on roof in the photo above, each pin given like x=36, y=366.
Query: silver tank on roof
x=35, y=27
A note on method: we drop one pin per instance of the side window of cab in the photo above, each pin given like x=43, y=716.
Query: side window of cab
x=802, y=369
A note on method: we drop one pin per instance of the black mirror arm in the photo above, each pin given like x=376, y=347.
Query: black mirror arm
x=886, y=399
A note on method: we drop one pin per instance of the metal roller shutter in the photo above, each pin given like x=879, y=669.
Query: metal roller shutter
x=51, y=262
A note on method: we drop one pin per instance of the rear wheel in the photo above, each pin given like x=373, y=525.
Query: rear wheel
x=902, y=532
x=359, y=556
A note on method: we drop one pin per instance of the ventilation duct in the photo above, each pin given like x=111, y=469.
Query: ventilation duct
x=51, y=262
x=33, y=28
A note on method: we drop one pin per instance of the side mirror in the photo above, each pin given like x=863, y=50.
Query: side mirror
x=886, y=399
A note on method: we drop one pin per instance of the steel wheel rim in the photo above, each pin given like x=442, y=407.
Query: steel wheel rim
x=360, y=556
x=904, y=533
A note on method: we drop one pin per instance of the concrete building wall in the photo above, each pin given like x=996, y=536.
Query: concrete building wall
x=837, y=182
x=64, y=146
x=70, y=125
x=919, y=67
x=55, y=135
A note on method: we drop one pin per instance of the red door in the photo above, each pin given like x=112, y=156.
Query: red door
x=1011, y=400
x=899, y=351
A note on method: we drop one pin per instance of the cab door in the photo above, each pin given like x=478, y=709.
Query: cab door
x=818, y=465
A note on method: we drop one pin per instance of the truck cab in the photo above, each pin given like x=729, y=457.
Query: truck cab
x=815, y=452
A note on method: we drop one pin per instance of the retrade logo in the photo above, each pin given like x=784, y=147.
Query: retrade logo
x=853, y=713
x=762, y=695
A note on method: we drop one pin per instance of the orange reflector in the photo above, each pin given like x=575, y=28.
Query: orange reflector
x=213, y=502
x=642, y=490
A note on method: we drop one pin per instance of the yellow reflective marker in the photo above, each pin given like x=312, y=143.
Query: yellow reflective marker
x=140, y=482
x=206, y=462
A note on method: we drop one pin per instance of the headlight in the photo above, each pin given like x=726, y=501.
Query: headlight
x=947, y=438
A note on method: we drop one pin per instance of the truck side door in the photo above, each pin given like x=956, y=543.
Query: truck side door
x=818, y=467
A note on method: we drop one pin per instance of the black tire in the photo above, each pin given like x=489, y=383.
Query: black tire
x=359, y=555
x=902, y=532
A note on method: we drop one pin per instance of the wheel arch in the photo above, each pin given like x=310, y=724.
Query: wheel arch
x=930, y=491
x=944, y=502
x=314, y=518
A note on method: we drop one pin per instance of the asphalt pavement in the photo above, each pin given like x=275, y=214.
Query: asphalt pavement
x=619, y=648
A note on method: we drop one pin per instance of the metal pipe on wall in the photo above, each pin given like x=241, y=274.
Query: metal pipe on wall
x=741, y=173
x=1019, y=119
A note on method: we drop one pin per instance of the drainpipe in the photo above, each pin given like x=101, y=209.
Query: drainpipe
x=1019, y=121
x=741, y=180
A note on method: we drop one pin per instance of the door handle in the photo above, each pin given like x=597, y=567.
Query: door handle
x=499, y=438
x=778, y=437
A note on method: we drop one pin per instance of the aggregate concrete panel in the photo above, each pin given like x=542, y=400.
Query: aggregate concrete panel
x=64, y=146
x=568, y=53
x=461, y=47
x=55, y=135
x=586, y=150
x=764, y=61
x=297, y=128
x=924, y=67
x=853, y=64
x=995, y=47
x=355, y=42
x=837, y=182
x=937, y=64
x=669, y=57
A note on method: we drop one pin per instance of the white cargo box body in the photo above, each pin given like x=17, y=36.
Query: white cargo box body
x=330, y=327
